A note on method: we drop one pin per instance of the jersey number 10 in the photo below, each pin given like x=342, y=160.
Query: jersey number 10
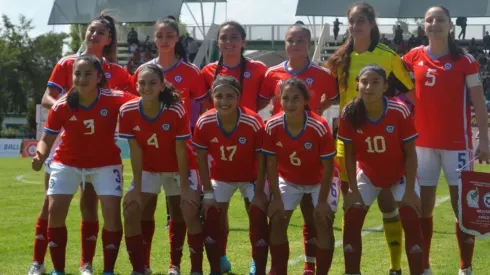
x=376, y=144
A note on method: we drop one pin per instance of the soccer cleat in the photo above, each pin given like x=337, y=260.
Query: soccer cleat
x=252, y=268
x=466, y=271
x=395, y=272
x=428, y=271
x=173, y=270
x=36, y=269
x=56, y=272
x=87, y=269
x=225, y=264
x=148, y=271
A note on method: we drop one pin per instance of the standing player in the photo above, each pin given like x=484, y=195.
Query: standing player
x=88, y=114
x=322, y=87
x=231, y=42
x=362, y=48
x=300, y=150
x=157, y=125
x=447, y=84
x=378, y=136
x=232, y=136
x=185, y=77
x=100, y=41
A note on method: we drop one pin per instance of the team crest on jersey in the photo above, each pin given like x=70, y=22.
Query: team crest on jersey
x=242, y=140
x=390, y=129
x=104, y=112
x=166, y=127
x=486, y=200
x=309, y=81
x=308, y=145
x=247, y=74
x=108, y=75
x=178, y=78
x=448, y=66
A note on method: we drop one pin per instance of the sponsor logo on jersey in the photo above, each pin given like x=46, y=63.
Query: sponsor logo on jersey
x=448, y=66
x=107, y=75
x=137, y=128
x=279, y=144
x=390, y=129
x=178, y=78
x=421, y=63
x=104, y=112
x=73, y=118
x=215, y=140
x=166, y=127
x=309, y=81
x=308, y=145
x=242, y=140
x=486, y=200
x=359, y=131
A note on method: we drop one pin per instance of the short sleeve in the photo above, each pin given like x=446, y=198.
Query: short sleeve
x=199, y=90
x=407, y=61
x=59, y=77
x=123, y=97
x=326, y=146
x=54, y=123
x=122, y=79
x=331, y=89
x=407, y=128
x=183, y=129
x=268, y=86
x=345, y=130
x=207, y=77
x=269, y=140
x=472, y=72
x=125, y=125
x=259, y=136
x=400, y=72
x=199, y=137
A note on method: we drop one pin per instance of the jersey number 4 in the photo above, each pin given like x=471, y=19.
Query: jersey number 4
x=376, y=144
x=431, y=77
x=153, y=141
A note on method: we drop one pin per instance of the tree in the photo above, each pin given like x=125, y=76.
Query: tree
x=75, y=41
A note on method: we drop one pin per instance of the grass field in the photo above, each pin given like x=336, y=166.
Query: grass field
x=21, y=190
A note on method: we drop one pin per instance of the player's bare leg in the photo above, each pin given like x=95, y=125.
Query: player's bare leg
x=393, y=229
x=325, y=244
x=148, y=229
x=40, y=236
x=428, y=202
x=279, y=244
x=309, y=233
x=112, y=231
x=177, y=230
x=195, y=239
x=89, y=227
x=57, y=233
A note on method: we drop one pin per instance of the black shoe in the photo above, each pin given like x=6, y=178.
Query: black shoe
x=395, y=272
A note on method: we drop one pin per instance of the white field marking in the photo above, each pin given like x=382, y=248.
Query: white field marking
x=22, y=179
x=301, y=258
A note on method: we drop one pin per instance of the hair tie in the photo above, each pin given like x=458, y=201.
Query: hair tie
x=373, y=68
x=226, y=85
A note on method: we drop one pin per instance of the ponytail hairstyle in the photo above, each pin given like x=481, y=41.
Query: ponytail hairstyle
x=454, y=50
x=243, y=60
x=302, y=26
x=168, y=95
x=226, y=80
x=170, y=21
x=298, y=84
x=110, y=51
x=73, y=96
x=341, y=57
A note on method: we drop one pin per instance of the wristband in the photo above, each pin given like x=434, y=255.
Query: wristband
x=208, y=196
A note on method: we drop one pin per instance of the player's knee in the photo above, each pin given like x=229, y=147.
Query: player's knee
x=392, y=216
x=132, y=213
x=325, y=238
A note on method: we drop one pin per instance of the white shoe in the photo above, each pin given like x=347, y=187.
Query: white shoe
x=87, y=269
x=466, y=271
x=36, y=269
x=428, y=271
x=148, y=271
x=173, y=270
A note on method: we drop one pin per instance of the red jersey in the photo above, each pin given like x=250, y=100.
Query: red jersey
x=185, y=77
x=156, y=136
x=62, y=75
x=442, y=107
x=379, y=144
x=234, y=155
x=299, y=158
x=319, y=80
x=252, y=80
x=88, y=137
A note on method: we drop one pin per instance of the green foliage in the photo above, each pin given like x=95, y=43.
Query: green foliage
x=75, y=41
x=10, y=133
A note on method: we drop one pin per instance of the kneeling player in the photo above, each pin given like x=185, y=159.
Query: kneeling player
x=378, y=134
x=300, y=150
x=158, y=131
x=232, y=136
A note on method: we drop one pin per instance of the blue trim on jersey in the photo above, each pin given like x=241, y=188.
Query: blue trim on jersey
x=433, y=57
x=298, y=73
x=199, y=146
x=93, y=103
x=268, y=153
x=347, y=140
x=56, y=86
x=184, y=137
x=226, y=134
x=202, y=97
x=385, y=102
x=258, y=150
x=145, y=117
x=286, y=126
x=126, y=136
x=169, y=69
x=231, y=68
x=335, y=97
x=329, y=156
x=51, y=132
x=411, y=138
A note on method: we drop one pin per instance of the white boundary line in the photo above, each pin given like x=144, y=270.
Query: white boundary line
x=301, y=258
x=21, y=178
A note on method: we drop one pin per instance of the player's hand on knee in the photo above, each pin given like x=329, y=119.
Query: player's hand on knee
x=276, y=207
x=353, y=199
x=133, y=200
x=208, y=203
x=189, y=196
x=260, y=200
x=483, y=153
x=323, y=213
x=411, y=199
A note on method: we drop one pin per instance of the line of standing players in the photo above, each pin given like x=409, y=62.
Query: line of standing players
x=232, y=149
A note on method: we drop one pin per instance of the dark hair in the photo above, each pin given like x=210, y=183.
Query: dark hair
x=73, y=95
x=298, y=84
x=110, y=51
x=341, y=57
x=227, y=81
x=169, y=95
x=302, y=27
x=179, y=49
x=454, y=50
x=243, y=60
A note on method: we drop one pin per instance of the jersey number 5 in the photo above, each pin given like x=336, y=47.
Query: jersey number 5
x=431, y=77
x=230, y=149
x=89, y=124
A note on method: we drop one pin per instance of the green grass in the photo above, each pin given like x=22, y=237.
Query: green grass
x=21, y=201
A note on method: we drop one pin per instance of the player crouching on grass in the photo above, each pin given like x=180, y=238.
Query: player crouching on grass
x=232, y=136
x=379, y=134
x=300, y=150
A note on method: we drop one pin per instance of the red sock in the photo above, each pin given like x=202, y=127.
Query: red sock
x=40, y=241
x=223, y=242
x=176, y=234
x=466, y=245
x=195, y=243
x=309, y=238
x=90, y=231
x=414, y=239
x=324, y=256
x=134, y=246
x=279, y=258
x=259, y=237
x=57, y=238
x=427, y=229
x=111, y=242
x=211, y=232
x=147, y=230
x=353, y=222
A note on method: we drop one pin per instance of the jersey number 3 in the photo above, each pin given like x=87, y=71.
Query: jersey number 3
x=89, y=124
